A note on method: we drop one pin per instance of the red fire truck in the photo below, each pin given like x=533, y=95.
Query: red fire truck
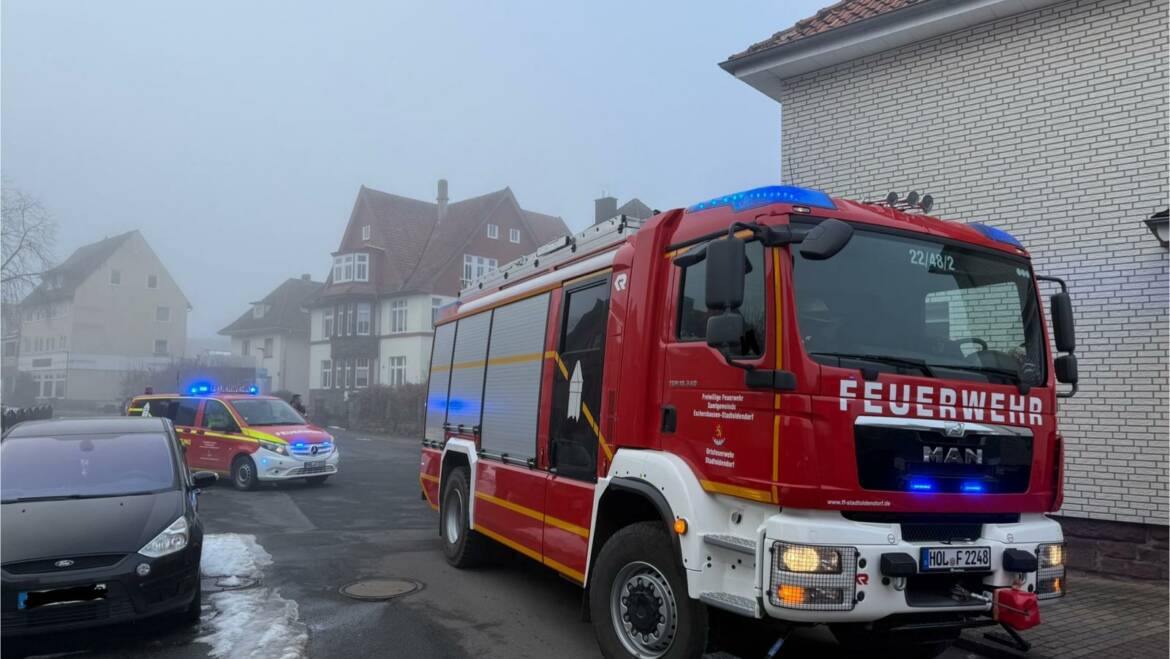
x=777, y=404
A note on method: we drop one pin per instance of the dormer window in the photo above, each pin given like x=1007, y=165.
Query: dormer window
x=351, y=267
x=258, y=310
x=366, y=232
x=493, y=231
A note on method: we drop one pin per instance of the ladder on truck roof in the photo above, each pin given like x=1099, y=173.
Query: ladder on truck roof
x=603, y=234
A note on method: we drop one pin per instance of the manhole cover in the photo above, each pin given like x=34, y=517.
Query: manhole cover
x=380, y=589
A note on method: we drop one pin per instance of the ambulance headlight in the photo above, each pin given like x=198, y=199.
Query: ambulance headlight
x=275, y=447
x=173, y=538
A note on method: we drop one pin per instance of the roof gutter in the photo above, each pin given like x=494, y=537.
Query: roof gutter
x=766, y=69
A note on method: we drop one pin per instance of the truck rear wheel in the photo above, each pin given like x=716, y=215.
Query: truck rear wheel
x=462, y=546
x=638, y=598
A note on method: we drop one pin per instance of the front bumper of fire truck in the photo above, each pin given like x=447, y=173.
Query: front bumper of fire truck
x=818, y=566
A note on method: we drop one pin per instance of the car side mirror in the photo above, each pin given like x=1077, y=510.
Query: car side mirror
x=1062, y=323
x=203, y=479
x=825, y=239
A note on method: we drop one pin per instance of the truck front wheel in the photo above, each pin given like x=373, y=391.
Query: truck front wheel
x=638, y=598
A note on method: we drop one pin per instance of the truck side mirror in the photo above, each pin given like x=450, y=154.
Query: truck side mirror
x=1066, y=369
x=725, y=330
x=825, y=240
x=1062, y=323
x=726, y=264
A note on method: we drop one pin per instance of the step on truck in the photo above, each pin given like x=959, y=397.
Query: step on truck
x=774, y=406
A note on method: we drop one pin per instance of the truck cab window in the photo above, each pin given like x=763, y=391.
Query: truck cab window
x=693, y=312
x=577, y=397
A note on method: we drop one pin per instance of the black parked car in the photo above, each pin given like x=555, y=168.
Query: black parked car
x=97, y=524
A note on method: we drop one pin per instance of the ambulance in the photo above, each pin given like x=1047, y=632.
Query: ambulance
x=775, y=405
x=247, y=437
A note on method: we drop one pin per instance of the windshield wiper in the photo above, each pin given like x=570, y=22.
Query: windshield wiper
x=56, y=497
x=883, y=359
x=1006, y=372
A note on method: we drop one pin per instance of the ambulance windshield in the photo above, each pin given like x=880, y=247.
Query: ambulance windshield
x=893, y=302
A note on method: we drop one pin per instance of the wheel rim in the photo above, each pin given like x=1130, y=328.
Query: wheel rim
x=453, y=515
x=244, y=473
x=644, y=611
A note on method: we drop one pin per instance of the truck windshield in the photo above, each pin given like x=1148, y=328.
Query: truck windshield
x=937, y=309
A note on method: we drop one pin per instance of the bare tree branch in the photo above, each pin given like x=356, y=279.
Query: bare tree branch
x=27, y=236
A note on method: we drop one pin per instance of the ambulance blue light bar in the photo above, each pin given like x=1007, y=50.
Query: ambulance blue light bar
x=200, y=388
x=772, y=194
x=998, y=235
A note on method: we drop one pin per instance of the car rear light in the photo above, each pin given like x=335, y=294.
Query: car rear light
x=1050, y=578
x=813, y=577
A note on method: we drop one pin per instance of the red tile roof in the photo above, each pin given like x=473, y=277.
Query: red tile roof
x=841, y=14
x=285, y=310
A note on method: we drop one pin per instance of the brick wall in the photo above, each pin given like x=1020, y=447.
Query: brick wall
x=1052, y=125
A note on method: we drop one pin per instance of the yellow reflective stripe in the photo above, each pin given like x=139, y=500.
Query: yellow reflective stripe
x=737, y=491
x=135, y=409
x=596, y=430
x=564, y=569
x=534, y=514
x=495, y=361
x=421, y=484
x=224, y=435
x=428, y=477
x=256, y=434
x=534, y=555
x=552, y=354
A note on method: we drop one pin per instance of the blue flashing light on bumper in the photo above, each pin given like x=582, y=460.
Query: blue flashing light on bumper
x=772, y=194
x=921, y=486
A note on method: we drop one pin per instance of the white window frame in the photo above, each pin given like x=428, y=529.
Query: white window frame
x=396, y=370
x=160, y=317
x=399, y=318
x=326, y=373
x=269, y=346
x=475, y=267
x=337, y=270
x=361, y=370
x=361, y=267
x=514, y=236
x=364, y=309
x=347, y=267
x=327, y=323
x=365, y=232
x=115, y=274
x=148, y=278
x=246, y=347
x=493, y=231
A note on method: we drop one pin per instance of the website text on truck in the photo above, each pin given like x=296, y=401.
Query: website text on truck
x=781, y=405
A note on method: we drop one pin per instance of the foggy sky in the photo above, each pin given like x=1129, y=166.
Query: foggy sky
x=235, y=135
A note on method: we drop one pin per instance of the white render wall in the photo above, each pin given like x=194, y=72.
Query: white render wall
x=1052, y=125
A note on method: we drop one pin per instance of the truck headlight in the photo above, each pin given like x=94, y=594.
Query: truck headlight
x=172, y=539
x=1050, y=577
x=275, y=447
x=813, y=577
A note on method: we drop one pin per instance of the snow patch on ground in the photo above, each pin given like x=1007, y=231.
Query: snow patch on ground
x=253, y=623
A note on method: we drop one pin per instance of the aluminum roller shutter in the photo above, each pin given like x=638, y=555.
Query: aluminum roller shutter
x=511, y=399
x=439, y=380
x=467, y=371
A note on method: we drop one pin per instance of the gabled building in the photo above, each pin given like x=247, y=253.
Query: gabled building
x=273, y=336
x=1046, y=118
x=108, y=310
x=399, y=260
x=607, y=207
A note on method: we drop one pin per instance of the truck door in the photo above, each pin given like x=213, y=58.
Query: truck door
x=575, y=435
x=709, y=416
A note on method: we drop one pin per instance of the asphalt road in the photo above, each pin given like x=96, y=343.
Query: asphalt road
x=368, y=522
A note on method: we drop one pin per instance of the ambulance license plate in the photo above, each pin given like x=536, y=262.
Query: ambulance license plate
x=32, y=599
x=952, y=559
x=317, y=464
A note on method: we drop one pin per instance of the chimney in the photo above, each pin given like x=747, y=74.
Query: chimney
x=604, y=209
x=306, y=278
x=442, y=198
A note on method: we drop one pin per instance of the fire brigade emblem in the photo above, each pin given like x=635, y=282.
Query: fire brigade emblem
x=719, y=439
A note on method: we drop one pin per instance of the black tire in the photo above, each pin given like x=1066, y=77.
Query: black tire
x=317, y=480
x=462, y=546
x=857, y=639
x=244, y=473
x=640, y=562
x=190, y=615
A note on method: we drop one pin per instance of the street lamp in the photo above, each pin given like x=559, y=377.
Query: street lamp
x=1159, y=227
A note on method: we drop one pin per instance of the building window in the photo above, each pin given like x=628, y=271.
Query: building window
x=327, y=323
x=115, y=277
x=475, y=267
x=363, y=318
x=349, y=374
x=366, y=232
x=326, y=374
x=436, y=303
x=493, y=231
x=337, y=273
x=246, y=348
x=514, y=235
x=268, y=347
x=350, y=320
x=396, y=371
x=338, y=374
x=361, y=267
x=162, y=314
x=160, y=346
x=39, y=345
x=152, y=281
x=62, y=342
x=51, y=343
x=347, y=267
x=361, y=378
x=398, y=316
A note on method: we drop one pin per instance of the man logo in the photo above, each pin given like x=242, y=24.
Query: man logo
x=952, y=455
x=63, y=563
x=955, y=429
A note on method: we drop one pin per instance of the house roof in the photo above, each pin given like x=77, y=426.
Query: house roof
x=846, y=12
x=418, y=246
x=635, y=208
x=285, y=311
x=60, y=282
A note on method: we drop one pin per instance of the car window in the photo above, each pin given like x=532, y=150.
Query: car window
x=85, y=466
x=267, y=412
x=217, y=417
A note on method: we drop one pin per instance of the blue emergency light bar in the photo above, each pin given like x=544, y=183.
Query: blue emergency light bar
x=772, y=194
x=972, y=486
x=998, y=235
x=200, y=388
x=209, y=388
x=921, y=486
